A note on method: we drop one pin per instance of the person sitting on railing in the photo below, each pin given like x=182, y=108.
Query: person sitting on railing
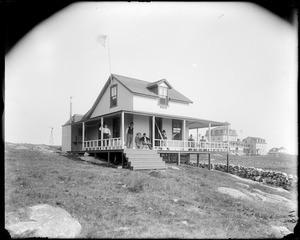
x=192, y=141
x=146, y=141
x=138, y=141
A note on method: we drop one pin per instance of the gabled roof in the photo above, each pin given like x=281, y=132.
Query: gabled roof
x=75, y=118
x=136, y=86
x=89, y=113
x=155, y=84
x=142, y=87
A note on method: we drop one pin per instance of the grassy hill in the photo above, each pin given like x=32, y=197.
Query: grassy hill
x=110, y=202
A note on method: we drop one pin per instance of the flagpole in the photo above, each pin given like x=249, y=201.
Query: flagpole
x=71, y=109
x=103, y=39
x=109, y=60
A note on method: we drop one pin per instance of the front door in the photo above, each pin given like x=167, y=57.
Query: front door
x=176, y=129
x=116, y=127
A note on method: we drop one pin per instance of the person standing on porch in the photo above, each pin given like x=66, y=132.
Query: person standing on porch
x=106, y=131
x=191, y=141
x=106, y=135
x=129, y=133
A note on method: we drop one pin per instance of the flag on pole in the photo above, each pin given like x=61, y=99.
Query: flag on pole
x=102, y=39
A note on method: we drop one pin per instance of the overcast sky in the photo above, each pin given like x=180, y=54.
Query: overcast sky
x=236, y=61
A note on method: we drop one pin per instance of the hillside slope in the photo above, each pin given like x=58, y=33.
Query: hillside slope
x=180, y=202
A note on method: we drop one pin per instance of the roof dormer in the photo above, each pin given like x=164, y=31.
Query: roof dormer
x=161, y=88
x=161, y=82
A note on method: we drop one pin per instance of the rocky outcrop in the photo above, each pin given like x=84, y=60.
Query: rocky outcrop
x=47, y=222
x=278, y=179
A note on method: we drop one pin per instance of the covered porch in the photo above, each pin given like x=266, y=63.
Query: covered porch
x=177, y=128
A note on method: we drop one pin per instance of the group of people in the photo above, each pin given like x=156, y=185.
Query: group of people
x=129, y=133
x=141, y=141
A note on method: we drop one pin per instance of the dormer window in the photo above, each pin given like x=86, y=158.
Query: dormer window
x=163, y=96
x=113, y=96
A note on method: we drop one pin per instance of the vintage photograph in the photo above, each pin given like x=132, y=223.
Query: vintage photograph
x=151, y=119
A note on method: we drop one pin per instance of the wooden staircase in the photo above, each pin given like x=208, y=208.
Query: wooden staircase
x=144, y=159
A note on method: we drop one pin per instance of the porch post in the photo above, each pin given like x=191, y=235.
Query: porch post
x=183, y=133
x=227, y=162
x=227, y=138
x=153, y=132
x=108, y=158
x=101, y=133
x=83, y=132
x=197, y=144
x=178, y=159
x=122, y=129
x=209, y=134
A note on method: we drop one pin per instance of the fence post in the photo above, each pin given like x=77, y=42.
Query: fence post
x=208, y=161
x=178, y=160
x=197, y=159
x=227, y=162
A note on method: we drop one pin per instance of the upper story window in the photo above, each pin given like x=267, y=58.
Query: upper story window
x=113, y=96
x=163, y=96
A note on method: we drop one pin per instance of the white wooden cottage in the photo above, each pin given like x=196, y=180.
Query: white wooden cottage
x=152, y=107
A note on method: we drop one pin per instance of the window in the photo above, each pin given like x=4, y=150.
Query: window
x=163, y=96
x=113, y=96
x=176, y=129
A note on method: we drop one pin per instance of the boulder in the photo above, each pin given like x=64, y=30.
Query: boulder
x=258, y=178
x=47, y=222
x=290, y=177
x=174, y=168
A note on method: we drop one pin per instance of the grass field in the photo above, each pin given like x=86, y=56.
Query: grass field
x=284, y=163
x=120, y=203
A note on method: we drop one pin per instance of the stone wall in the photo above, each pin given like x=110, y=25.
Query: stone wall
x=278, y=179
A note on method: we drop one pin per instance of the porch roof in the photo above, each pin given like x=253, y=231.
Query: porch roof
x=193, y=123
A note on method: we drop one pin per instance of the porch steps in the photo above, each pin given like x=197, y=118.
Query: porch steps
x=144, y=159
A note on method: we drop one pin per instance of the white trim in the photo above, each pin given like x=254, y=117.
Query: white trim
x=122, y=129
x=83, y=132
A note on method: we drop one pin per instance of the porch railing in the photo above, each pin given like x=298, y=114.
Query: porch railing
x=116, y=143
x=190, y=145
x=110, y=143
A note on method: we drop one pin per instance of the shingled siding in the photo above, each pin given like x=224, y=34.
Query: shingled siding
x=278, y=179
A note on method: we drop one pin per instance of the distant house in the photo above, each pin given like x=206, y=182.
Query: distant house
x=256, y=146
x=221, y=134
x=152, y=107
x=277, y=151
